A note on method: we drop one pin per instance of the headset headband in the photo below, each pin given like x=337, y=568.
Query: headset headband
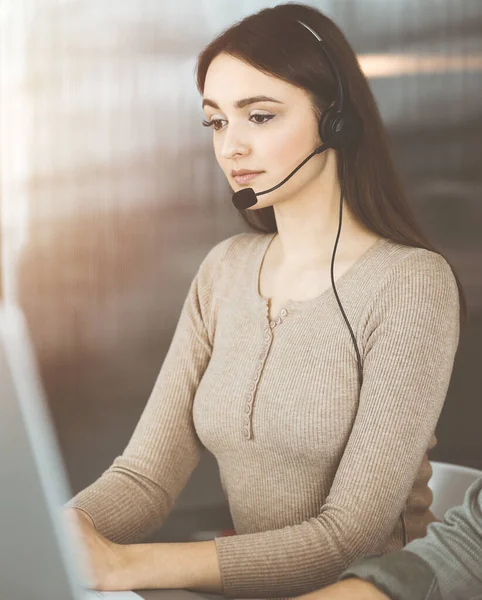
x=339, y=85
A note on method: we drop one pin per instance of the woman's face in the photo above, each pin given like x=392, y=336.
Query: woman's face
x=260, y=123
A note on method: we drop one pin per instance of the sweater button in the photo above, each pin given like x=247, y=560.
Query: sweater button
x=284, y=312
x=272, y=324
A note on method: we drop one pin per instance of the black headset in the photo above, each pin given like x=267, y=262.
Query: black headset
x=337, y=127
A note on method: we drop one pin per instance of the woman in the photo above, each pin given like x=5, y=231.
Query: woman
x=320, y=418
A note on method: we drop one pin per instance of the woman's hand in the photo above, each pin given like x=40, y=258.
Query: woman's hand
x=106, y=562
x=115, y=567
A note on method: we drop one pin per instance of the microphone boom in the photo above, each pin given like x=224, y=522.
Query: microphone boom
x=247, y=197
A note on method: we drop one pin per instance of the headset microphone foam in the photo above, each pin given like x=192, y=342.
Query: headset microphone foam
x=248, y=197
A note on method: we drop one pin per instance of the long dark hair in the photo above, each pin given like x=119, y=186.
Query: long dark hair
x=273, y=42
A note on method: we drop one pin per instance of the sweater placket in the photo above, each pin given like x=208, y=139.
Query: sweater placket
x=253, y=385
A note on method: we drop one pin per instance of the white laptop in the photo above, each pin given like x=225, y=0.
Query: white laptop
x=38, y=559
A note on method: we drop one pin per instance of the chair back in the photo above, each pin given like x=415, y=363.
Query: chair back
x=449, y=484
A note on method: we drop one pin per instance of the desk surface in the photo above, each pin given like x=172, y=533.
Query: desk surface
x=174, y=595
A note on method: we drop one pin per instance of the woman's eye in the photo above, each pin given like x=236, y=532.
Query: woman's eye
x=214, y=123
x=260, y=119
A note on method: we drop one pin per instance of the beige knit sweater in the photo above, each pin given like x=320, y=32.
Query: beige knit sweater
x=316, y=472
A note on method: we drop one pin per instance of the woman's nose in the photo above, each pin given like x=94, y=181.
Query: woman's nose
x=233, y=145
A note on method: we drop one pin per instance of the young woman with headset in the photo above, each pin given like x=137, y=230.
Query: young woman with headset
x=312, y=356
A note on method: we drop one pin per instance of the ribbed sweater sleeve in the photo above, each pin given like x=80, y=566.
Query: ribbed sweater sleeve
x=444, y=565
x=409, y=336
x=133, y=497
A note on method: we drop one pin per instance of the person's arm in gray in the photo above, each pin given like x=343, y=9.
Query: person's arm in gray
x=444, y=565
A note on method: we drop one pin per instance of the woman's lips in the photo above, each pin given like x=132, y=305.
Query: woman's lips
x=243, y=179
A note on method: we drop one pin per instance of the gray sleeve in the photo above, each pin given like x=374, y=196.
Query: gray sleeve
x=444, y=565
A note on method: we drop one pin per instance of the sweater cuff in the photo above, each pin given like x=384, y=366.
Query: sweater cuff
x=400, y=575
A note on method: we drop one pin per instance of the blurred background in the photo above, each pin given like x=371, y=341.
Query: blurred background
x=111, y=196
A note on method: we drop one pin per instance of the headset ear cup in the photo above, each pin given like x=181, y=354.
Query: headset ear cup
x=337, y=129
x=325, y=129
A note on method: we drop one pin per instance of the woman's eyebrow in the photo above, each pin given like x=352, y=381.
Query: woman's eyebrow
x=242, y=103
